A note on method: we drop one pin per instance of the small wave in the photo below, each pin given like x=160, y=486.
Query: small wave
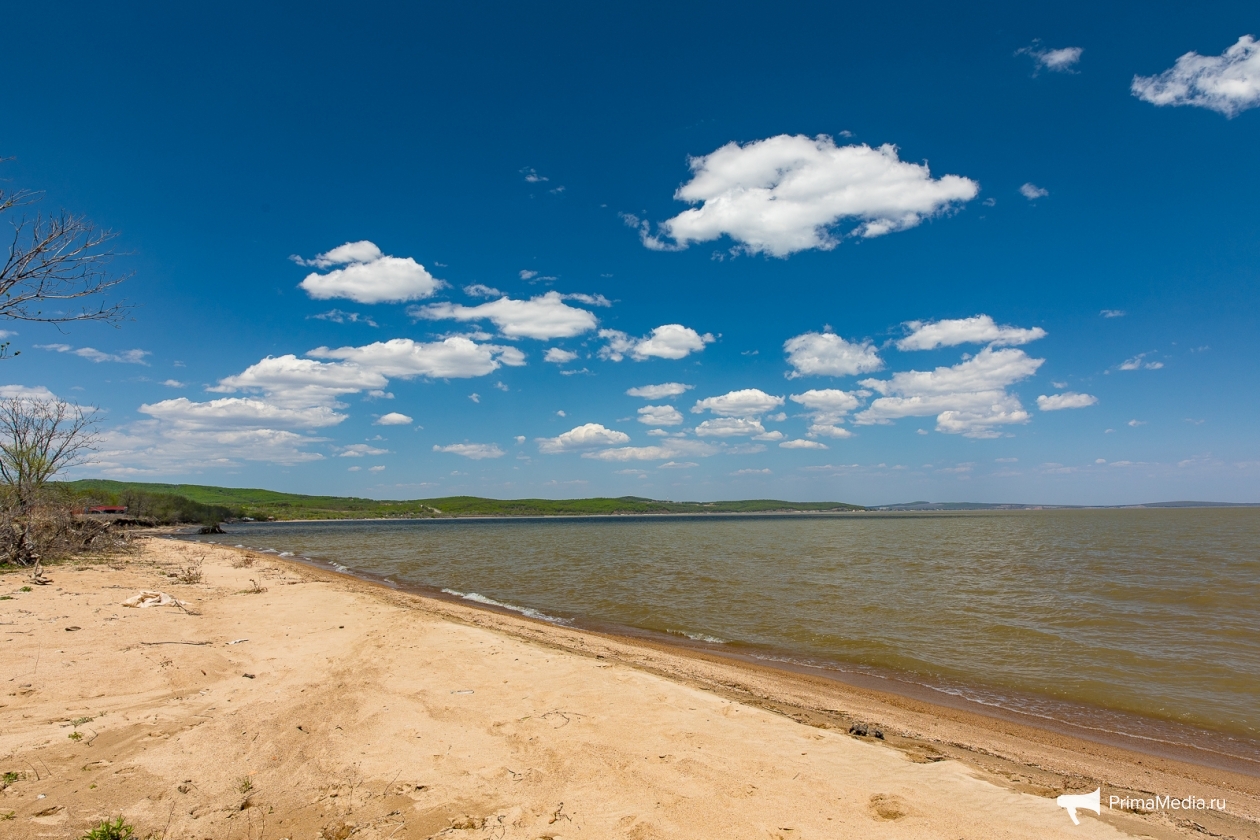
x=285, y=554
x=525, y=611
x=268, y=551
x=698, y=637
x=340, y=568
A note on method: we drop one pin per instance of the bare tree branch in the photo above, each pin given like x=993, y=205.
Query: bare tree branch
x=57, y=267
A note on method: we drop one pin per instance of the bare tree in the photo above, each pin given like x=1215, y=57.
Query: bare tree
x=57, y=267
x=38, y=439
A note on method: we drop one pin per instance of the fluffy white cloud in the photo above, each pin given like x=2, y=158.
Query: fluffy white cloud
x=979, y=329
x=827, y=406
x=131, y=357
x=1057, y=402
x=1032, y=192
x=749, y=402
x=288, y=380
x=827, y=354
x=152, y=447
x=659, y=392
x=672, y=448
x=235, y=412
x=968, y=398
x=802, y=444
x=1228, y=83
x=730, y=427
x=586, y=436
x=787, y=193
x=452, y=358
x=481, y=290
x=23, y=392
x=660, y=415
x=543, y=317
x=559, y=356
x=668, y=341
x=394, y=418
x=475, y=451
x=368, y=276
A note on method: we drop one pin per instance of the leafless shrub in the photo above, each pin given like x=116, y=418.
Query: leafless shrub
x=243, y=561
x=191, y=573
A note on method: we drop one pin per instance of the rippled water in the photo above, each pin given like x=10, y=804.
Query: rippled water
x=1154, y=613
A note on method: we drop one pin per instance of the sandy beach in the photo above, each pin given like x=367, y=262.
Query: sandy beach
x=283, y=701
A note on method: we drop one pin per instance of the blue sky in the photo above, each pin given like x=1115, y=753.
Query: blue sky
x=402, y=252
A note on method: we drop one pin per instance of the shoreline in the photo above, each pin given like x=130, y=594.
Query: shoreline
x=370, y=709
x=1154, y=737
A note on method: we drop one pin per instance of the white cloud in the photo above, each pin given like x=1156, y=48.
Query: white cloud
x=828, y=430
x=1138, y=363
x=131, y=357
x=752, y=472
x=659, y=392
x=827, y=407
x=1112, y=313
x=586, y=436
x=452, y=358
x=1061, y=60
x=558, y=356
x=475, y=451
x=359, y=450
x=377, y=468
x=482, y=291
x=1228, y=83
x=749, y=402
x=672, y=448
x=543, y=317
x=677, y=465
x=394, y=418
x=336, y=316
x=532, y=176
x=353, y=469
x=1032, y=192
x=788, y=193
x=235, y=412
x=774, y=435
x=368, y=276
x=173, y=383
x=968, y=398
x=660, y=415
x=729, y=427
x=1136, y=423
x=827, y=354
x=979, y=329
x=668, y=341
x=151, y=447
x=802, y=444
x=291, y=381
x=1057, y=402
x=22, y=392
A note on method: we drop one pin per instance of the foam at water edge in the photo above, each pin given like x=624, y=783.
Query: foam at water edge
x=698, y=637
x=525, y=611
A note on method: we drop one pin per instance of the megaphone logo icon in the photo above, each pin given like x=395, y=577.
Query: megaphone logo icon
x=1072, y=801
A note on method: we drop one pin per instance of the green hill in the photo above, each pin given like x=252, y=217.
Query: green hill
x=268, y=504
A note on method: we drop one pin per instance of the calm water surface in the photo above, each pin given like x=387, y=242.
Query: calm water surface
x=1149, y=613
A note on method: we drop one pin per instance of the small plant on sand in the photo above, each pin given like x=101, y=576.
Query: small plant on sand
x=8, y=815
x=242, y=561
x=192, y=572
x=245, y=785
x=11, y=777
x=254, y=589
x=75, y=736
x=6, y=597
x=25, y=589
x=111, y=830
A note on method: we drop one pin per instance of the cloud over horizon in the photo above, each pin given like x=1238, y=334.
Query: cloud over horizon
x=367, y=276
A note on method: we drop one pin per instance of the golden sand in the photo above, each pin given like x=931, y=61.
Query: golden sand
x=327, y=707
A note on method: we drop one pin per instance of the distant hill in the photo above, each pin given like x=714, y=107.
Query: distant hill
x=269, y=504
x=1019, y=506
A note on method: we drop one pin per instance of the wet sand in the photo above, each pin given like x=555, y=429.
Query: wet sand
x=324, y=707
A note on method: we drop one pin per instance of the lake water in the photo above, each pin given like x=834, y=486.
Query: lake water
x=1128, y=617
